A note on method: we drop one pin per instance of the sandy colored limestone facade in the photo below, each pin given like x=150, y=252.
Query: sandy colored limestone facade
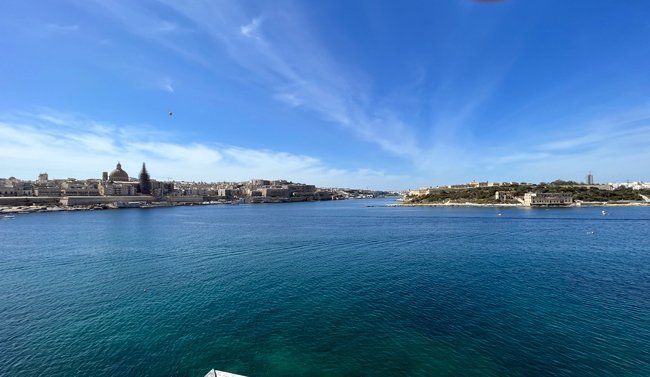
x=90, y=200
x=547, y=199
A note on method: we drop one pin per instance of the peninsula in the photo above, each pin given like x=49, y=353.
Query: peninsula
x=118, y=190
x=554, y=194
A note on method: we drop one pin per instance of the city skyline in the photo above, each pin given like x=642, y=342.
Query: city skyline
x=338, y=94
x=588, y=180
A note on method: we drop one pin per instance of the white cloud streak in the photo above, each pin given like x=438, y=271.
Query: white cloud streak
x=282, y=54
x=74, y=146
x=615, y=147
x=166, y=85
x=250, y=30
x=63, y=28
x=279, y=52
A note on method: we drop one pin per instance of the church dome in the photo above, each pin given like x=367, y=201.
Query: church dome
x=118, y=174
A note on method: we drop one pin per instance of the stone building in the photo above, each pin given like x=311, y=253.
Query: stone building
x=8, y=190
x=275, y=192
x=117, y=188
x=503, y=196
x=548, y=199
x=159, y=189
x=24, y=188
x=47, y=189
x=79, y=188
x=117, y=184
x=118, y=175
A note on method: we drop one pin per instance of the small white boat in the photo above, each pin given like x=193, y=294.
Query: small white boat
x=604, y=213
x=8, y=217
x=218, y=373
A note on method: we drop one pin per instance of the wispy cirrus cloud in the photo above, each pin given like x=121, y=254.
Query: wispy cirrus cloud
x=250, y=30
x=626, y=130
x=70, y=28
x=165, y=27
x=615, y=146
x=279, y=51
x=71, y=145
x=282, y=54
x=166, y=84
x=146, y=23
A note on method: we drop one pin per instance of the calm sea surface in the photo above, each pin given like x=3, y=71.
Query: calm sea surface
x=326, y=289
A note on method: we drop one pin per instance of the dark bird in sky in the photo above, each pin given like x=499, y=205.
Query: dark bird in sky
x=171, y=113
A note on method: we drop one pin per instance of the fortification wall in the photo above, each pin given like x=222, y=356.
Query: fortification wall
x=28, y=200
x=89, y=200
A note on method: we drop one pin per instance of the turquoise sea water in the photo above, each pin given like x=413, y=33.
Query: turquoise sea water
x=326, y=289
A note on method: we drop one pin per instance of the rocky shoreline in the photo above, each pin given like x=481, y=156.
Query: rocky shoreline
x=502, y=205
x=466, y=204
x=12, y=210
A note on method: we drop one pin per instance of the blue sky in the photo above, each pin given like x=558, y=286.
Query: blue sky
x=378, y=94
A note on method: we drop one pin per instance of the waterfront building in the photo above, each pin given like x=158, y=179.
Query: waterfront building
x=73, y=187
x=590, y=179
x=253, y=192
x=548, y=199
x=230, y=193
x=273, y=192
x=192, y=191
x=24, y=188
x=8, y=190
x=159, y=189
x=503, y=196
x=14, y=187
x=43, y=177
x=47, y=189
x=225, y=192
x=299, y=188
x=118, y=188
